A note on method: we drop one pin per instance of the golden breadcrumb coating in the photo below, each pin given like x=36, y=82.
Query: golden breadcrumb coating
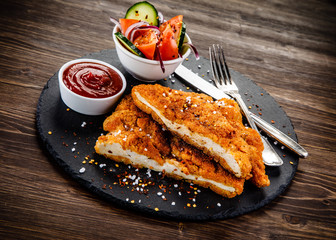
x=259, y=177
x=196, y=162
x=220, y=121
x=136, y=131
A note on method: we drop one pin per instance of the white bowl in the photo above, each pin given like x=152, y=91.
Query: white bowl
x=87, y=105
x=145, y=69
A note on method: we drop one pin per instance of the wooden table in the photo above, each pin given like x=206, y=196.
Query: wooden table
x=286, y=47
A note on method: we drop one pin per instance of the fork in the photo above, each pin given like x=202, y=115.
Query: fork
x=223, y=81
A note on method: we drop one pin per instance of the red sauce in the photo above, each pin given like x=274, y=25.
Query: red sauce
x=92, y=80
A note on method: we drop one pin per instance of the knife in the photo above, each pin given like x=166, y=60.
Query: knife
x=209, y=89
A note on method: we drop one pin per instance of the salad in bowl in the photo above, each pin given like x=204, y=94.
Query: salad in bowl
x=149, y=47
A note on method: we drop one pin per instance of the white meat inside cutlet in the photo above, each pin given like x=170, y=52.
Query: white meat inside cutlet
x=169, y=167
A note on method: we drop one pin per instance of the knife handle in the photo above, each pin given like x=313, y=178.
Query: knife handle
x=280, y=136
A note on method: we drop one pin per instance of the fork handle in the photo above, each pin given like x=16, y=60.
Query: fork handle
x=244, y=109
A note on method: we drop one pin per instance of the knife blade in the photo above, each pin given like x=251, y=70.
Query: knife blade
x=209, y=89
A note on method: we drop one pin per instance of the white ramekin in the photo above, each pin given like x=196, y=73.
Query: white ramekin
x=86, y=105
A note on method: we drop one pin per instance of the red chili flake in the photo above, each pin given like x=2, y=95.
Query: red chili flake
x=104, y=186
x=260, y=113
x=272, y=121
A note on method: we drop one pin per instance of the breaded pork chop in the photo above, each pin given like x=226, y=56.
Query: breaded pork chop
x=215, y=127
x=135, y=138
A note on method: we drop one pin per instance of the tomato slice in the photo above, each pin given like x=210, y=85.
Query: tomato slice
x=167, y=44
x=176, y=25
x=125, y=23
x=146, y=42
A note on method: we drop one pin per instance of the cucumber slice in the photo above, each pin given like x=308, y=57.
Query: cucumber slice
x=143, y=11
x=180, y=39
x=129, y=45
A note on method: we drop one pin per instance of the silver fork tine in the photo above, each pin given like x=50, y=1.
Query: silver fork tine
x=218, y=61
x=214, y=67
x=219, y=65
x=225, y=67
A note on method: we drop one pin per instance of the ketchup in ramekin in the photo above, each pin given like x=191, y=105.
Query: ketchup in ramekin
x=92, y=80
x=90, y=86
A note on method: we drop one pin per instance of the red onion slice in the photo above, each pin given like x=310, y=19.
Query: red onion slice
x=133, y=26
x=151, y=27
x=160, y=59
x=193, y=48
x=161, y=19
x=131, y=38
x=115, y=21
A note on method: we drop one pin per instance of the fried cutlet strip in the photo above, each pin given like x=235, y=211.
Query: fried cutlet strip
x=232, y=113
x=132, y=130
x=259, y=177
x=135, y=138
x=215, y=127
x=197, y=163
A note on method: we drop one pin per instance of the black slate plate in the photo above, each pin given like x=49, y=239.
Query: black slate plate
x=69, y=137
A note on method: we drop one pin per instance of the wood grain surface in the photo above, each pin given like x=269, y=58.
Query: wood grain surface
x=286, y=47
